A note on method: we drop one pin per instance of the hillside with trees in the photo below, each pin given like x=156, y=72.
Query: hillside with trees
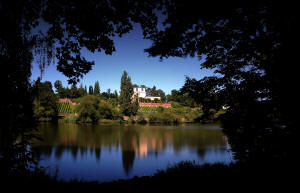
x=77, y=104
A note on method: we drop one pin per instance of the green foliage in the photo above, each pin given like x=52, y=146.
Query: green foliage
x=91, y=90
x=181, y=98
x=145, y=100
x=146, y=110
x=96, y=88
x=160, y=109
x=176, y=105
x=81, y=91
x=195, y=115
x=113, y=101
x=128, y=105
x=108, y=111
x=58, y=85
x=74, y=92
x=88, y=109
x=141, y=116
x=45, y=106
x=109, y=95
x=164, y=117
x=156, y=93
x=176, y=112
x=92, y=108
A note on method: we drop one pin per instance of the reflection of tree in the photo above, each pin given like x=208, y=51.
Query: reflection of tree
x=74, y=151
x=129, y=142
x=83, y=151
x=59, y=151
x=197, y=139
x=142, y=140
x=98, y=153
x=46, y=151
x=201, y=152
x=128, y=160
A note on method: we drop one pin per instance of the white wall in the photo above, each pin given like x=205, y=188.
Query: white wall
x=140, y=91
x=152, y=98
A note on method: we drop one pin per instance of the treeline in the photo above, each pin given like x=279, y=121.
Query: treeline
x=74, y=92
x=45, y=105
x=95, y=105
x=94, y=108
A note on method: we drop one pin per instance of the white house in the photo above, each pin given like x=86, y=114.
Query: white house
x=141, y=93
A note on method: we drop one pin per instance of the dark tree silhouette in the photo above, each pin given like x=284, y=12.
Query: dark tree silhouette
x=128, y=158
x=47, y=29
x=251, y=46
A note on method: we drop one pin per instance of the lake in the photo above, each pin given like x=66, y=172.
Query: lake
x=110, y=152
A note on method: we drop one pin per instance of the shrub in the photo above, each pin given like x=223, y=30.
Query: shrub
x=164, y=117
x=141, y=116
x=105, y=110
x=176, y=105
x=88, y=109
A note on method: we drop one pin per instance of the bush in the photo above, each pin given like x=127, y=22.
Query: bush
x=108, y=111
x=194, y=115
x=163, y=117
x=105, y=110
x=88, y=109
x=176, y=105
x=156, y=100
x=141, y=116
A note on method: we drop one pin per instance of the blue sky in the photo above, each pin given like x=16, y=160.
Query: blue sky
x=130, y=56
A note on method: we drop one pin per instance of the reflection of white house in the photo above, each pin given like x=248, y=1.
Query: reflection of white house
x=141, y=93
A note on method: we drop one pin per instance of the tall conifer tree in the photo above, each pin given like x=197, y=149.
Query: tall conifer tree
x=128, y=107
x=96, y=88
x=91, y=90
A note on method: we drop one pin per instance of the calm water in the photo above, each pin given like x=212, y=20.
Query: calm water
x=110, y=152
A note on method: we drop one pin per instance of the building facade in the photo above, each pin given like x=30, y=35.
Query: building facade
x=140, y=92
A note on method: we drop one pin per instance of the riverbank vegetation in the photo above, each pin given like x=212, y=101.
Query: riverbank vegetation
x=93, y=106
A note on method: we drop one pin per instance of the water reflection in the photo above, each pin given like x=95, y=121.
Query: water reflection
x=135, y=143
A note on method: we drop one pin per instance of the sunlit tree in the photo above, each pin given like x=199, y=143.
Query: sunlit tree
x=127, y=103
x=97, y=88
